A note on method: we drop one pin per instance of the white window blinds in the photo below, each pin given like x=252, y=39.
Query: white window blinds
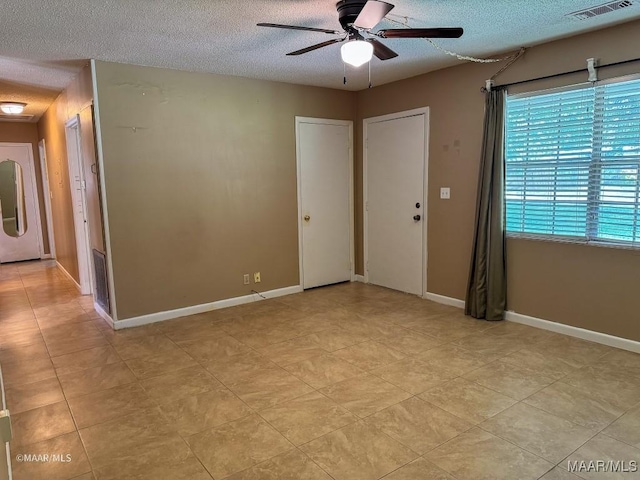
x=572, y=164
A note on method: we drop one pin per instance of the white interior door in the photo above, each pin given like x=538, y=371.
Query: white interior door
x=20, y=232
x=325, y=201
x=395, y=223
x=77, y=185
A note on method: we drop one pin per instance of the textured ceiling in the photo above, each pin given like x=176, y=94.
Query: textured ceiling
x=43, y=43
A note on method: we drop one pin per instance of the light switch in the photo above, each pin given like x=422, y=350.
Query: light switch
x=445, y=193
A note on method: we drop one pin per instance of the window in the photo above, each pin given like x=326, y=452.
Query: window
x=573, y=164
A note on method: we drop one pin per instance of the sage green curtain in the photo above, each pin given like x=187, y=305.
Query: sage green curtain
x=487, y=288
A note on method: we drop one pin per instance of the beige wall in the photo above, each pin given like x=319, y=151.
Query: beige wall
x=584, y=286
x=51, y=127
x=28, y=133
x=200, y=175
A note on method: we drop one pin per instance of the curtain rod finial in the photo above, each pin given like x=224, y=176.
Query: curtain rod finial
x=488, y=85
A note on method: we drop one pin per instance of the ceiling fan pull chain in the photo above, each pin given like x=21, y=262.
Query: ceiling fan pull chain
x=369, y=73
x=344, y=73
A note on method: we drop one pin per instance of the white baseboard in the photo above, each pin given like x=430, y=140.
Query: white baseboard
x=360, y=278
x=205, y=307
x=104, y=315
x=584, y=334
x=68, y=275
x=454, y=302
x=46, y=256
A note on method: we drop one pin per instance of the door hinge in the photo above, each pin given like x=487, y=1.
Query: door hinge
x=5, y=426
x=83, y=184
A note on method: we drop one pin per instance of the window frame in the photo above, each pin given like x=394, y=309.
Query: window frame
x=591, y=224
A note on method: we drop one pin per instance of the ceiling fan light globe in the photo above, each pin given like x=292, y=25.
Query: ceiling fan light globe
x=12, y=108
x=356, y=52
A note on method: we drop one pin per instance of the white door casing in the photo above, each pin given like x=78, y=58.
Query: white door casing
x=395, y=190
x=76, y=184
x=47, y=195
x=28, y=245
x=325, y=200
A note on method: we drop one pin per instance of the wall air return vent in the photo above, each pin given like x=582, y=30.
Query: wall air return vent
x=588, y=13
x=15, y=118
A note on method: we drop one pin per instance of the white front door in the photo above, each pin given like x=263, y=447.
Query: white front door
x=20, y=232
x=324, y=150
x=395, y=169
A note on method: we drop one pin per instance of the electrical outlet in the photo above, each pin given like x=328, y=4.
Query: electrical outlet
x=445, y=193
x=246, y=279
x=256, y=277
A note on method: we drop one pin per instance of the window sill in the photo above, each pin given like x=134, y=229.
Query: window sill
x=573, y=241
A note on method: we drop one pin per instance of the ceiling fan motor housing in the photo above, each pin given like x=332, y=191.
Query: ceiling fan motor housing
x=348, y=11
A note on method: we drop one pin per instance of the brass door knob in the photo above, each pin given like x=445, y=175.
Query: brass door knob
x=307, y=218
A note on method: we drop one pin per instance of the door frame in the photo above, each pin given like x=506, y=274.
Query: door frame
x=325, y=121
x=46, y=194
x=83, y=247
x=34, y=189
x=425, y=194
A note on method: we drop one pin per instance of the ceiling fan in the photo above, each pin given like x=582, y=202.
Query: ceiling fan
x=357, y=18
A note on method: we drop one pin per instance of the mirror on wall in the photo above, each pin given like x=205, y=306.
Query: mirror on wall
x=14, y=219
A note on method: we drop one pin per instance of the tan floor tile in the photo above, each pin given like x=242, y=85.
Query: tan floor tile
x=21, y=338
x=292, y=351
x=365, y=394
x=478, y=455
x=93, y=357
x=271, y=388
x=419, y=469
x=615, y=388
x=491, y=346
x=70, y=318
x=626, y=428
x=412, y=343
x=73, y=338
x=559, y=474
x=468, y=400
x=358, y=452
x=323, y=370
x=547, y=365
x=144, y=347
x=453, y=360
x=96, y=379
x=66, y=459
x=574, y=351
x=138, y=433
x=369, y=355
x=173, y=460
x=572, y=404
x=606, y=449
x=208, y=349
x=336, y=338
x=179, y=384
x=193, y=414
x=21, y=355
x=148, y=367
x=511, y=380
x=538, y=432
x=193, y=329
x=41, y=424
x=444, y=330
x=240, y=367
x=620, y=361
x=106, y=405
x=308, y=417
x=28, y=396
x=270, y=334
x=313, y=323
x=128, y=335
x=292, y=465
x=418, y=424
x=411, y=375
x=237, y=445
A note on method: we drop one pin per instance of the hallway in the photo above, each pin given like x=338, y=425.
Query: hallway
x=345, y=382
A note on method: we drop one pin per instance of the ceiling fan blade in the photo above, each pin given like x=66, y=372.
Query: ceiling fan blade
x=381, y=51
x=421, y=33
x=315, y=47
x=371, y=14
x=294, y=27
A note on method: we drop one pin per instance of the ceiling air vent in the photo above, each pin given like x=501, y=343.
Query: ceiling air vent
x=15, y=118
x=600, y=9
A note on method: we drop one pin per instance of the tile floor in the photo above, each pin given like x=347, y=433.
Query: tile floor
x=346, y=382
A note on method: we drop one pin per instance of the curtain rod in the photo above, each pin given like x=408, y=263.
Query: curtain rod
x=615, y=64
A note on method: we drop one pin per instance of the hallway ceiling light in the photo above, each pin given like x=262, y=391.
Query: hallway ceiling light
x=12, y=108
x=356, y=52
